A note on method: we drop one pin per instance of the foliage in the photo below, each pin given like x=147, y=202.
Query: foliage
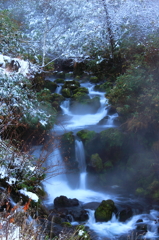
x=19, y=169
x=19, y=104
x=135, y=93
x=96, y=162
x=112, y=137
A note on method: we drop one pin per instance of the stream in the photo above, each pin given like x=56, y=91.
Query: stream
x=82, y=187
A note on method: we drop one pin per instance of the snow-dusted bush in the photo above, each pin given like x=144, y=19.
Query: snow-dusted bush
x=19, y=169
x=19, y=102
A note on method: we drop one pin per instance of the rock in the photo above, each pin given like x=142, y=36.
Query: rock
x=94, y=79
x=59, y=80
x=141, y=228
x=79, y=214
x=68, y=151
x=63, y=201
x=111, y=111
x=96, y=162
x=125, y=214
x=105, y=210
x=66, y=92
x=50, y=85
x=72, y=84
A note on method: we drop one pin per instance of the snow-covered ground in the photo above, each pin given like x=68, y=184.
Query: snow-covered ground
x=23, y=67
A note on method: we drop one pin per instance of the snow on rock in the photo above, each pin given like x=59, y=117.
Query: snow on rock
x=31, y=195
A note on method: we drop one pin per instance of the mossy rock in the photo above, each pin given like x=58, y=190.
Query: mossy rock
x=44, y=95
x=57, y=97
x=50, y=85
x=108, y=165
x=86, y=135
x=77, y=78
x=105, y=210
x=69, y=75
x=80, y=89
x=94, y=79
x=96, y=162
x=66, y=92
x=56, y=100
x=68, y=150
x=60, y=75
x=59, y=80
x=80, y=97
x=71, y=84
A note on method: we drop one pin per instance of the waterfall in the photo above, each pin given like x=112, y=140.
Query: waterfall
x=65, y=107
x=58, y=89
x=80, y=158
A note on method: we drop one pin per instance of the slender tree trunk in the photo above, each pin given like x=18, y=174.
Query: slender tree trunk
x=109, y=28
x=44, y=45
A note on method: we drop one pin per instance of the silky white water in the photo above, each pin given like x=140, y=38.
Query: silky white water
x=61, y=183
x=78, y=121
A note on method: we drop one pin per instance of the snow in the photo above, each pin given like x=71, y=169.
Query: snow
x=25, y=68
x=31, y=195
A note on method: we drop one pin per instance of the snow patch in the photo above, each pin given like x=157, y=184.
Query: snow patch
x=31, y=195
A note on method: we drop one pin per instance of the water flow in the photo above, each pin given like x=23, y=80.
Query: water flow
x=65, y=107
x=80, y=158
x=58, y=89
x=114, y=229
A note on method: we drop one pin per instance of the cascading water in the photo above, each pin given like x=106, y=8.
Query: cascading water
x=61, y=184
x=58, y=89
x=89, y=121
x=65, y=107
x=80, y=158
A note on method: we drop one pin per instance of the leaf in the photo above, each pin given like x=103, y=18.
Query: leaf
x=26, y=206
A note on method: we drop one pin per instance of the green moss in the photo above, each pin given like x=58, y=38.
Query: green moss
x=96, y=162
x=112, y=137
x=66, y=224
x=59, y=80
x=72, y=84
x=81, y=97
x=50, y=85
x=44, y=95
x=108, y=164
x=105, y=210
x=94, y=79
x=86, y=135
x=80, y=89
x=66, y=92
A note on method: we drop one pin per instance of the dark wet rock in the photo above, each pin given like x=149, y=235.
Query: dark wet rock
x=111, y=111
x=79, y=214
x=94, y=79
x=63, y=201
x=125, y=214
x=50, y=85
x=68, y=151
x=105, y=210
x=141, y=227
x=59, y=80
x=72, y=84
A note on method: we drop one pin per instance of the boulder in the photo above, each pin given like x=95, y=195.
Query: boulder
x=105, y=210
x=66, y=92
x=50, y=85
x=63, y=201
x=79, y=214
x=125, y=214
